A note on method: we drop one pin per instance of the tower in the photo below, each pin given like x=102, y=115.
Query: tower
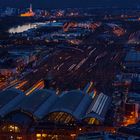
x=31, y=8
x=29, y=13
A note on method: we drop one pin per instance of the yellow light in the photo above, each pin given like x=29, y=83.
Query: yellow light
x=44, y=135
x=38, y=135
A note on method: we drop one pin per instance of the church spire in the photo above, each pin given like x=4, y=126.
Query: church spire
x=31, y=8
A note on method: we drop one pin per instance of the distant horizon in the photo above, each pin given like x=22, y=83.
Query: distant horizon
x=69, y=4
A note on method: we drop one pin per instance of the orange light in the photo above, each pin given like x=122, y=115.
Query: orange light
x=36, y=86
x=21, y=84
x=73, y=135
x=30, y=13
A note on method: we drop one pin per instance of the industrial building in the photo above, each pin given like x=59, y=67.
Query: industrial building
x=132, y=61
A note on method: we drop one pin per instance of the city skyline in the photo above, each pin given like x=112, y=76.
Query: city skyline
x=69, y=4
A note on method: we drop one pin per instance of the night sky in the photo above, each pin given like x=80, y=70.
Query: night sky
x=68, y=3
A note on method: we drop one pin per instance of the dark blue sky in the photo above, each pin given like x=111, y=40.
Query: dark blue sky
x=68, y=3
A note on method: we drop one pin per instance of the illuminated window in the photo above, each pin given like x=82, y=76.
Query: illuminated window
x=11, y=128
x=92, y=121
x=44, y=135
x=41, y=136
x=38, y=136
x=61, y=117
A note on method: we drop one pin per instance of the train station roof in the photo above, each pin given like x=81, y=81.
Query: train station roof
x=74, y=102
x=41, y=103
x=32, y=102
x=99, y=107
x=7, y=95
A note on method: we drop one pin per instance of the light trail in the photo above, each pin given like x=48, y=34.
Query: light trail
x=38, y=85
x=21, y=84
